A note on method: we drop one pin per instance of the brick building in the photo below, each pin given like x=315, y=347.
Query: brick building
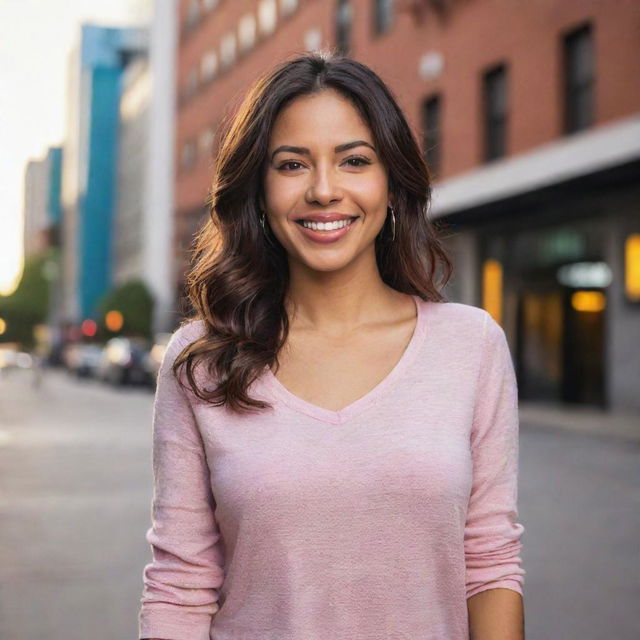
x=528, y=115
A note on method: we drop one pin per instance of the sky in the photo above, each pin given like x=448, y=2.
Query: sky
x=35, y=39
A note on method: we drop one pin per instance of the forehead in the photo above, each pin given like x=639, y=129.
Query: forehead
x=324, y=118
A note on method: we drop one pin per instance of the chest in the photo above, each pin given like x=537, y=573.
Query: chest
x=335, y=372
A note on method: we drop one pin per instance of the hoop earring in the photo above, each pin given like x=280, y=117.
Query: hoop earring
x=393, y=224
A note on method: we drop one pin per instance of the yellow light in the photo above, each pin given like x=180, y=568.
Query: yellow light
x=3, y=326
x=632, y=267
x=588, y=301
x=492, y=289
x=113, y=320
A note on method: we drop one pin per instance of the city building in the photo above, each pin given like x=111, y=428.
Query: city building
x=42, y=206
x=529, y=118
x=96, y=66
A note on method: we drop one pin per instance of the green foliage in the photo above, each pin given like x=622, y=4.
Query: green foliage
x=28, y=305
x=135, y=302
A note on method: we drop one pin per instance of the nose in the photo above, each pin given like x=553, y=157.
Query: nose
x=323, y=188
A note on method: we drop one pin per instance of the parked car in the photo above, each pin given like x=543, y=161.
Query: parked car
x=83, y=360
x=155, y=355
x=123, y=361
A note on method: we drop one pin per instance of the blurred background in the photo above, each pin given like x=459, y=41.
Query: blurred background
x=528, y=114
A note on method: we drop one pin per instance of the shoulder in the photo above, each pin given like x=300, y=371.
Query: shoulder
x=458, y=316
x=188, y=332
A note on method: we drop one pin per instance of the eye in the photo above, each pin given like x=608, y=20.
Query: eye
x=361, y=159
x=282, y=166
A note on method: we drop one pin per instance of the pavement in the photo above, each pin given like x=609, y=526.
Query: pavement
x=581, y=419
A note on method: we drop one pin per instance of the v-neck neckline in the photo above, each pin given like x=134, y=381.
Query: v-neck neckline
x=342, y=415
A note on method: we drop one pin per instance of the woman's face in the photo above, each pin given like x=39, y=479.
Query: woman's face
x=318, y=179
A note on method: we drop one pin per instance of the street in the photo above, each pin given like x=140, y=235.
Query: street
x=75, y=472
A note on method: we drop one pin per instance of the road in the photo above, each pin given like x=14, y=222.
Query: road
x=75, y=491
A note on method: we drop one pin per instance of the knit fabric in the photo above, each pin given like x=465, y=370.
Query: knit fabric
x=376, y=521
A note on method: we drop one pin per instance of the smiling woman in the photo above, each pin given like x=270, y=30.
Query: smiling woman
x=335, y=444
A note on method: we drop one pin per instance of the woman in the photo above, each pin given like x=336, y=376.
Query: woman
x=335, y=446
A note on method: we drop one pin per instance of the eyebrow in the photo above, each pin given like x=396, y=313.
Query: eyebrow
x=305, y=152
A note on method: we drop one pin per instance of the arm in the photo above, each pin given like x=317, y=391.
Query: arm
x=181, y=583
x=496, y=614
x=494, y=575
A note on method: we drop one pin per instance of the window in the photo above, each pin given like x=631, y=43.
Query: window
x=193, y=14
x=267, y=16
x=383, y=16
x=312, y=39
x=247, y=32
x=208, y=66
x=188, y=155
x=205, y=142
x=432, y=133
x=578, y=79
x=191, y=86
x=228, y=50
x=495, y=112
x=287, y=7
x=344, y=19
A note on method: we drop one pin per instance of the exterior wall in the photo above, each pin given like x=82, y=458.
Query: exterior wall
x=54, y=199
x=623, y=317
x=72, y=188
x=158, y=223
x=36, y=222
x=132, y=162
x=96, y=219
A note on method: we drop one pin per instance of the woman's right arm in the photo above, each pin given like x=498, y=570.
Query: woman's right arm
x=181, y=583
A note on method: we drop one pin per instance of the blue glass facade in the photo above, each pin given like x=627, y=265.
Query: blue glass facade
x=54, y=199
x=104, y=54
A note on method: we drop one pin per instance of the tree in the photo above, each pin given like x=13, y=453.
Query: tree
x=28, y=305
x=135, y=302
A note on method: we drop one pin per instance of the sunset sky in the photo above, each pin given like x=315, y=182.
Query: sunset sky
x=35, y=39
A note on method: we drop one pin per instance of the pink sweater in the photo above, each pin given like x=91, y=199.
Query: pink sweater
x=377, y=521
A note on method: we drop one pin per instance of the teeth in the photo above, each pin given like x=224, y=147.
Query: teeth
x=326, y=226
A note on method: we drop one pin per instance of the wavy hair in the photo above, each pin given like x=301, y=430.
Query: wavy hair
x=239, y=277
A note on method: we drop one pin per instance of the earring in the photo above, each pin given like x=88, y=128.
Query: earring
x=393, y=224
x=262, y=220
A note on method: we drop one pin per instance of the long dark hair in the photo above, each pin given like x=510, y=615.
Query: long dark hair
x=240, y=275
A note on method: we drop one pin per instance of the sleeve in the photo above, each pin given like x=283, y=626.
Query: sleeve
x=492, y=531
x=180, y=594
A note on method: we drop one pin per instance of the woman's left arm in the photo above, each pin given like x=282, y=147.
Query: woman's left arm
x=496, y=614
x=492, y=540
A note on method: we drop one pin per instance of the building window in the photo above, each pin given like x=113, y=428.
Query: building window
x=208, y=66
x=188, y=155
x=267, y=16
x=247, y=32
x=344, y=20
x=578, y=79
x=209, y=5
x=193, y=13
x=312, y=39
x=383, y=16
x=228, y=50
x=205, y=142
x=191, y=86
x=495, y=112
x=431, y=118
x=287, y=7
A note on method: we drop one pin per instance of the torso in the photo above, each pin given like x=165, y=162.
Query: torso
x=332, y=373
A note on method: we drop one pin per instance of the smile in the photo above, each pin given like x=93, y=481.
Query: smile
x=325, y=232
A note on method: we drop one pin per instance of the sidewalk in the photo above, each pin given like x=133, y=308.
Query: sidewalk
x=581, y=419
